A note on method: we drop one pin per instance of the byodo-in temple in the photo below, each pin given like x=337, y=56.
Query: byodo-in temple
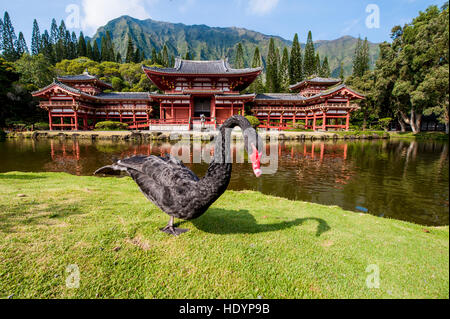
x=196, y=94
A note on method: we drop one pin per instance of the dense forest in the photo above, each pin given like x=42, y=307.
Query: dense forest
x=409, y=81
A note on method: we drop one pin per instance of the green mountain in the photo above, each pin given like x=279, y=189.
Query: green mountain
x=208, y=43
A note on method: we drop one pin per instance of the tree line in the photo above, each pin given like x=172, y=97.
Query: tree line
x=60, y=44
x=411, y=75
x=284, y=68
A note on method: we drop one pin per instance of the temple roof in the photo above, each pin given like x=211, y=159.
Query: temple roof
x=298, y=97
x=123, y=96
x=202, y=67
x=316, y=80
x=85, y=77
x=62, y=86
x=280, y=96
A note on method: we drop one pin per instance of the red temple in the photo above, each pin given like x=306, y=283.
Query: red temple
x=195, y=89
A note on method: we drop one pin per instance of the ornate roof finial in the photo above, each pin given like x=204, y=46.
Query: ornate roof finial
x=86, y=72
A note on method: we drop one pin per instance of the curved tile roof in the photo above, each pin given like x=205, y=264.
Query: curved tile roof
x=123, y=96
x=319, y=80
x=202, y=67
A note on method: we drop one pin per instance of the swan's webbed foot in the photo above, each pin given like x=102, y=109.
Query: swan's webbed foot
x=174, y=231
x=171, y=230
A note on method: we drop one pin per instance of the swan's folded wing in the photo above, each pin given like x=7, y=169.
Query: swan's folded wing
x=164, y=181
x=164, y=171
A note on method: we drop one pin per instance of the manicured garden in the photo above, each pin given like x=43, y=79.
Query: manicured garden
x=248, y=245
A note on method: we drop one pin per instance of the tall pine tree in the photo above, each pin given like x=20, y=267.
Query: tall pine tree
x=47, y=47
x=272, y=80
x=296, y=63
x=54, y=32
x=257, y=86
x=89, y=50
x=35, y=39
x=82, y=47
x=137, y=56
x=325, y=69
x=96, y=52
x=154, y=58
x=105, y=50
x=9, y=39
x=239, y=61
x=1, y=35
x=284, y=71
x=165, y=57
x=318, y=65
x=309, y=63
x=341, y=72
x=130, y=51
x=21, y=46
x=361, y=58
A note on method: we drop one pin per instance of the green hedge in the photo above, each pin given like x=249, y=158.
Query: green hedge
x=41, y=126
x=111, y=126
x=253, y=121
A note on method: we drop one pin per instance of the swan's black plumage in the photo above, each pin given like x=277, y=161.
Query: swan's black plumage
x=175, y=189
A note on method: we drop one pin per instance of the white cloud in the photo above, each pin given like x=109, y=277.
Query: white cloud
x=261, y=7
x=97, y=13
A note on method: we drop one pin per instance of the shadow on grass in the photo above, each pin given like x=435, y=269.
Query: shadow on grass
x=21, y=177
x=221, y=221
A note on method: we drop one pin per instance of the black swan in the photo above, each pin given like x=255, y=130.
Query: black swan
x=175, y=189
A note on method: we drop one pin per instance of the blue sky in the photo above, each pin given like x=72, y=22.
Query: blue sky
x=327, y=20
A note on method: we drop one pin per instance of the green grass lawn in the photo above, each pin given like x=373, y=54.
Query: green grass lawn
x=247, y=245
x=421, y=136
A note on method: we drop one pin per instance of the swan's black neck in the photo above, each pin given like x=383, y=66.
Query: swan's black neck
x=219, y=172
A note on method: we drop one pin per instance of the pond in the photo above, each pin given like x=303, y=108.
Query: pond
x=401, y=179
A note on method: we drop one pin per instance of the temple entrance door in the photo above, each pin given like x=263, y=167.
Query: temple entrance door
x=202, y=106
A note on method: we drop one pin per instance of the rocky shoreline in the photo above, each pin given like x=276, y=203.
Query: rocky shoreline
x=204, y=136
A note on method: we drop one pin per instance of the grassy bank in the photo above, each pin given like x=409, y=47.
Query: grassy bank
x=247, y=246
x=441, y=136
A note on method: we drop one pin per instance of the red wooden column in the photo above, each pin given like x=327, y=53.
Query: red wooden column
x=161, y=111
x=281, y=119
x=324, y=127
x=232, y=108
x=76, y=121
x=172, y=111
x=50, y=122
x=347, y=121
x=315, y=121
x=243, y=109
x=85, y=123
x=295, y=117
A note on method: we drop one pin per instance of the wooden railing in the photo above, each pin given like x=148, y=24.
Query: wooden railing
x=304, y=108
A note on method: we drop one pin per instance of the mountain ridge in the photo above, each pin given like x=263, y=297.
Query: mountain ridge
x=212, y=43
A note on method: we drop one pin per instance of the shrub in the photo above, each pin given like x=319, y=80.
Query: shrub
x=111, y=126
x=253, y=121
x=299, y=126
x=2, y=135
x=41, y=126
x=384, y=123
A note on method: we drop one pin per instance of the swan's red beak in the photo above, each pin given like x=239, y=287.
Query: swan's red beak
x=256, y=161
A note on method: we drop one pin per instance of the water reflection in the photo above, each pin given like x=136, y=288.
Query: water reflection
x=400, y=179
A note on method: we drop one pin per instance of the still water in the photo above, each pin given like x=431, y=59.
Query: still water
x=399, y=179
